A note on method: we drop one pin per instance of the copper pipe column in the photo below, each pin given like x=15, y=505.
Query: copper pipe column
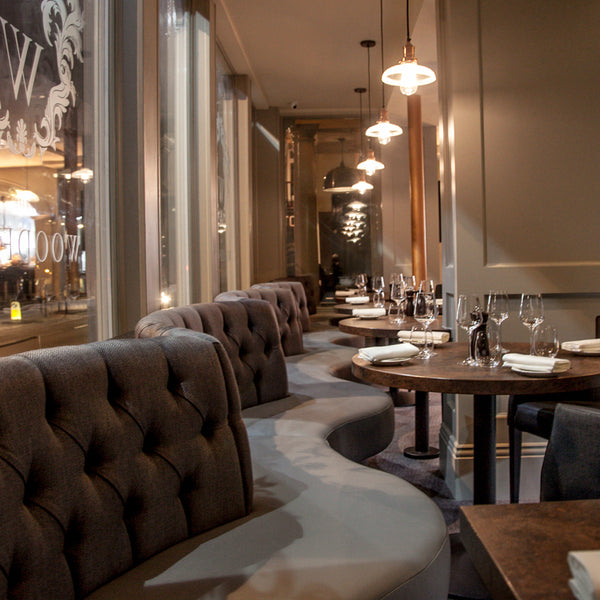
x=417, y=187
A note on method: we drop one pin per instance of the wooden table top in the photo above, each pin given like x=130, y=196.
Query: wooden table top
x=520, y=550
x=381, y=326
x=443, y=373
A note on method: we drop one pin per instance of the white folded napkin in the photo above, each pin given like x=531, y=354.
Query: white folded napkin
x=357, y=299
x=375, y=353
x=585, y=567
x=592, y=345
x=344, y=293
x=371, y=313
x=439, y=337
x=539, y=364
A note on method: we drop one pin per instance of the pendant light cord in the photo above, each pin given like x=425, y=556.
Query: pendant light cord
x=407, y=19
x=381, y=31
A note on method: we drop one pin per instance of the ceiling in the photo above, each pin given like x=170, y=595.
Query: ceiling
x=305, y=57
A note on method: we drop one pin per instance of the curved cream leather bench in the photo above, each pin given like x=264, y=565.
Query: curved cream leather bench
x=322, y=526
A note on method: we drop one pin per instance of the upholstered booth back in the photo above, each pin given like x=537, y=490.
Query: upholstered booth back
x=299, y=294
x=286, y=311
x=111, y=452
x=310, y=284
x=247, y=330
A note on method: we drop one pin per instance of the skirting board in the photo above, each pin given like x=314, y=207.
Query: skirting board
x=456, y=465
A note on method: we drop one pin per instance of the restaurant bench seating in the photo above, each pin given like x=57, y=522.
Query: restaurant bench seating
x=323, y=525
x=285, y=307
x=299, y=295
x=111, y=454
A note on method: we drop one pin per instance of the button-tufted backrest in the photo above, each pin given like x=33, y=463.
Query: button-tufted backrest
x=111, y=452
x=299, y=295
x=286, y=310
x=249, y=333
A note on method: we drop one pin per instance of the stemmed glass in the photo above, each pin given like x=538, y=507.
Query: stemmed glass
x=361, y=283
x=425, y=313
x=398, y=297
x=497, y=308
x=469, y=314
x=378, y=286
x=531, y=313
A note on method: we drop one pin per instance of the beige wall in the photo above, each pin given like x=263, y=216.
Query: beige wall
x=520, y=182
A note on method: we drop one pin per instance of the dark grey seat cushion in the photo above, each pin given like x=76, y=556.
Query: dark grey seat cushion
x=111, y=452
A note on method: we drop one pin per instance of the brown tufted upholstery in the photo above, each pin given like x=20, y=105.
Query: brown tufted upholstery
x=286, y=311
x=310, y=285
x=299, y=294
x=111, y=452
x=249, y=333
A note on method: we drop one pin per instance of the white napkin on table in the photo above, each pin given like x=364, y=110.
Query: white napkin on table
x=592, y=345
x=585, y=568
x=539, y=364
x=371, y=313
x=344, y=293
x=439, y=337
x=375, y=353
x=357, y=299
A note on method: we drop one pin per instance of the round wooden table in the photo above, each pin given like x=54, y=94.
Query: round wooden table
x=380, y=330
x=443, y=373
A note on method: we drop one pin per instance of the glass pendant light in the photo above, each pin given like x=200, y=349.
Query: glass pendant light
x=383, y=130
x=341, y=179
x=370, y=164
x=362, y=185
x=408, y=74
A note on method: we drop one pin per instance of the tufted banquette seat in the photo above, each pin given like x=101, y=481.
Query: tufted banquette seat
x=323, y=526
x=285, y=306
x=299, y=294
x=110, y=453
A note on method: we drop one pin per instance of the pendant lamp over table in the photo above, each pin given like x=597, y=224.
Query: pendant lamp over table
x=383, y=130
x=408, y=74
x=341, y=179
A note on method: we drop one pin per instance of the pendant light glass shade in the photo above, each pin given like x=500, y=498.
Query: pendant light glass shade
x=408, y=74
x=341, y=179
x=362, y=185
x=383, y=130
x=370, y=164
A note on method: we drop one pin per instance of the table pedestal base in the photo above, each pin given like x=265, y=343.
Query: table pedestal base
x=430, y=452
x=421, y=450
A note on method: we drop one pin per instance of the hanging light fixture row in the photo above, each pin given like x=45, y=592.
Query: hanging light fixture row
x=383, y=130
x=408, y=74
x=341, y=179
x=362, y=185
x=370, y=164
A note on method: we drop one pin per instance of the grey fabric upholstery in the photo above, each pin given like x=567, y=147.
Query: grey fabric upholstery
x=299, y=294
x=534, y=414
x=323, y=526
x=286, y=311
x=110, y=453
x=310, y=283
x=571, y=468
x=249, y=333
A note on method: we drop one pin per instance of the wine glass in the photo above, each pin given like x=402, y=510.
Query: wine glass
x=427, y=285
x=469, y=314
x=378, y=286
x=361, y=283
x=425, y=313
x=531, y=313
x=398, y=297
x=545, y=341
x=497, y=308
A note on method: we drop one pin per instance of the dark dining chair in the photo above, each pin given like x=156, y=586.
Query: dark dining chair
x=535, y=414
x=571, y=468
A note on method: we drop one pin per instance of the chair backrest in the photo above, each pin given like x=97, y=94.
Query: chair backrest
x=286, y=311
x=571, y=468
x=248, y=331
x=299, y=294
x=111, y=452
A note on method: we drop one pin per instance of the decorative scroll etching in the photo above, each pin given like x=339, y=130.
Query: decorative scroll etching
x=63, y=26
